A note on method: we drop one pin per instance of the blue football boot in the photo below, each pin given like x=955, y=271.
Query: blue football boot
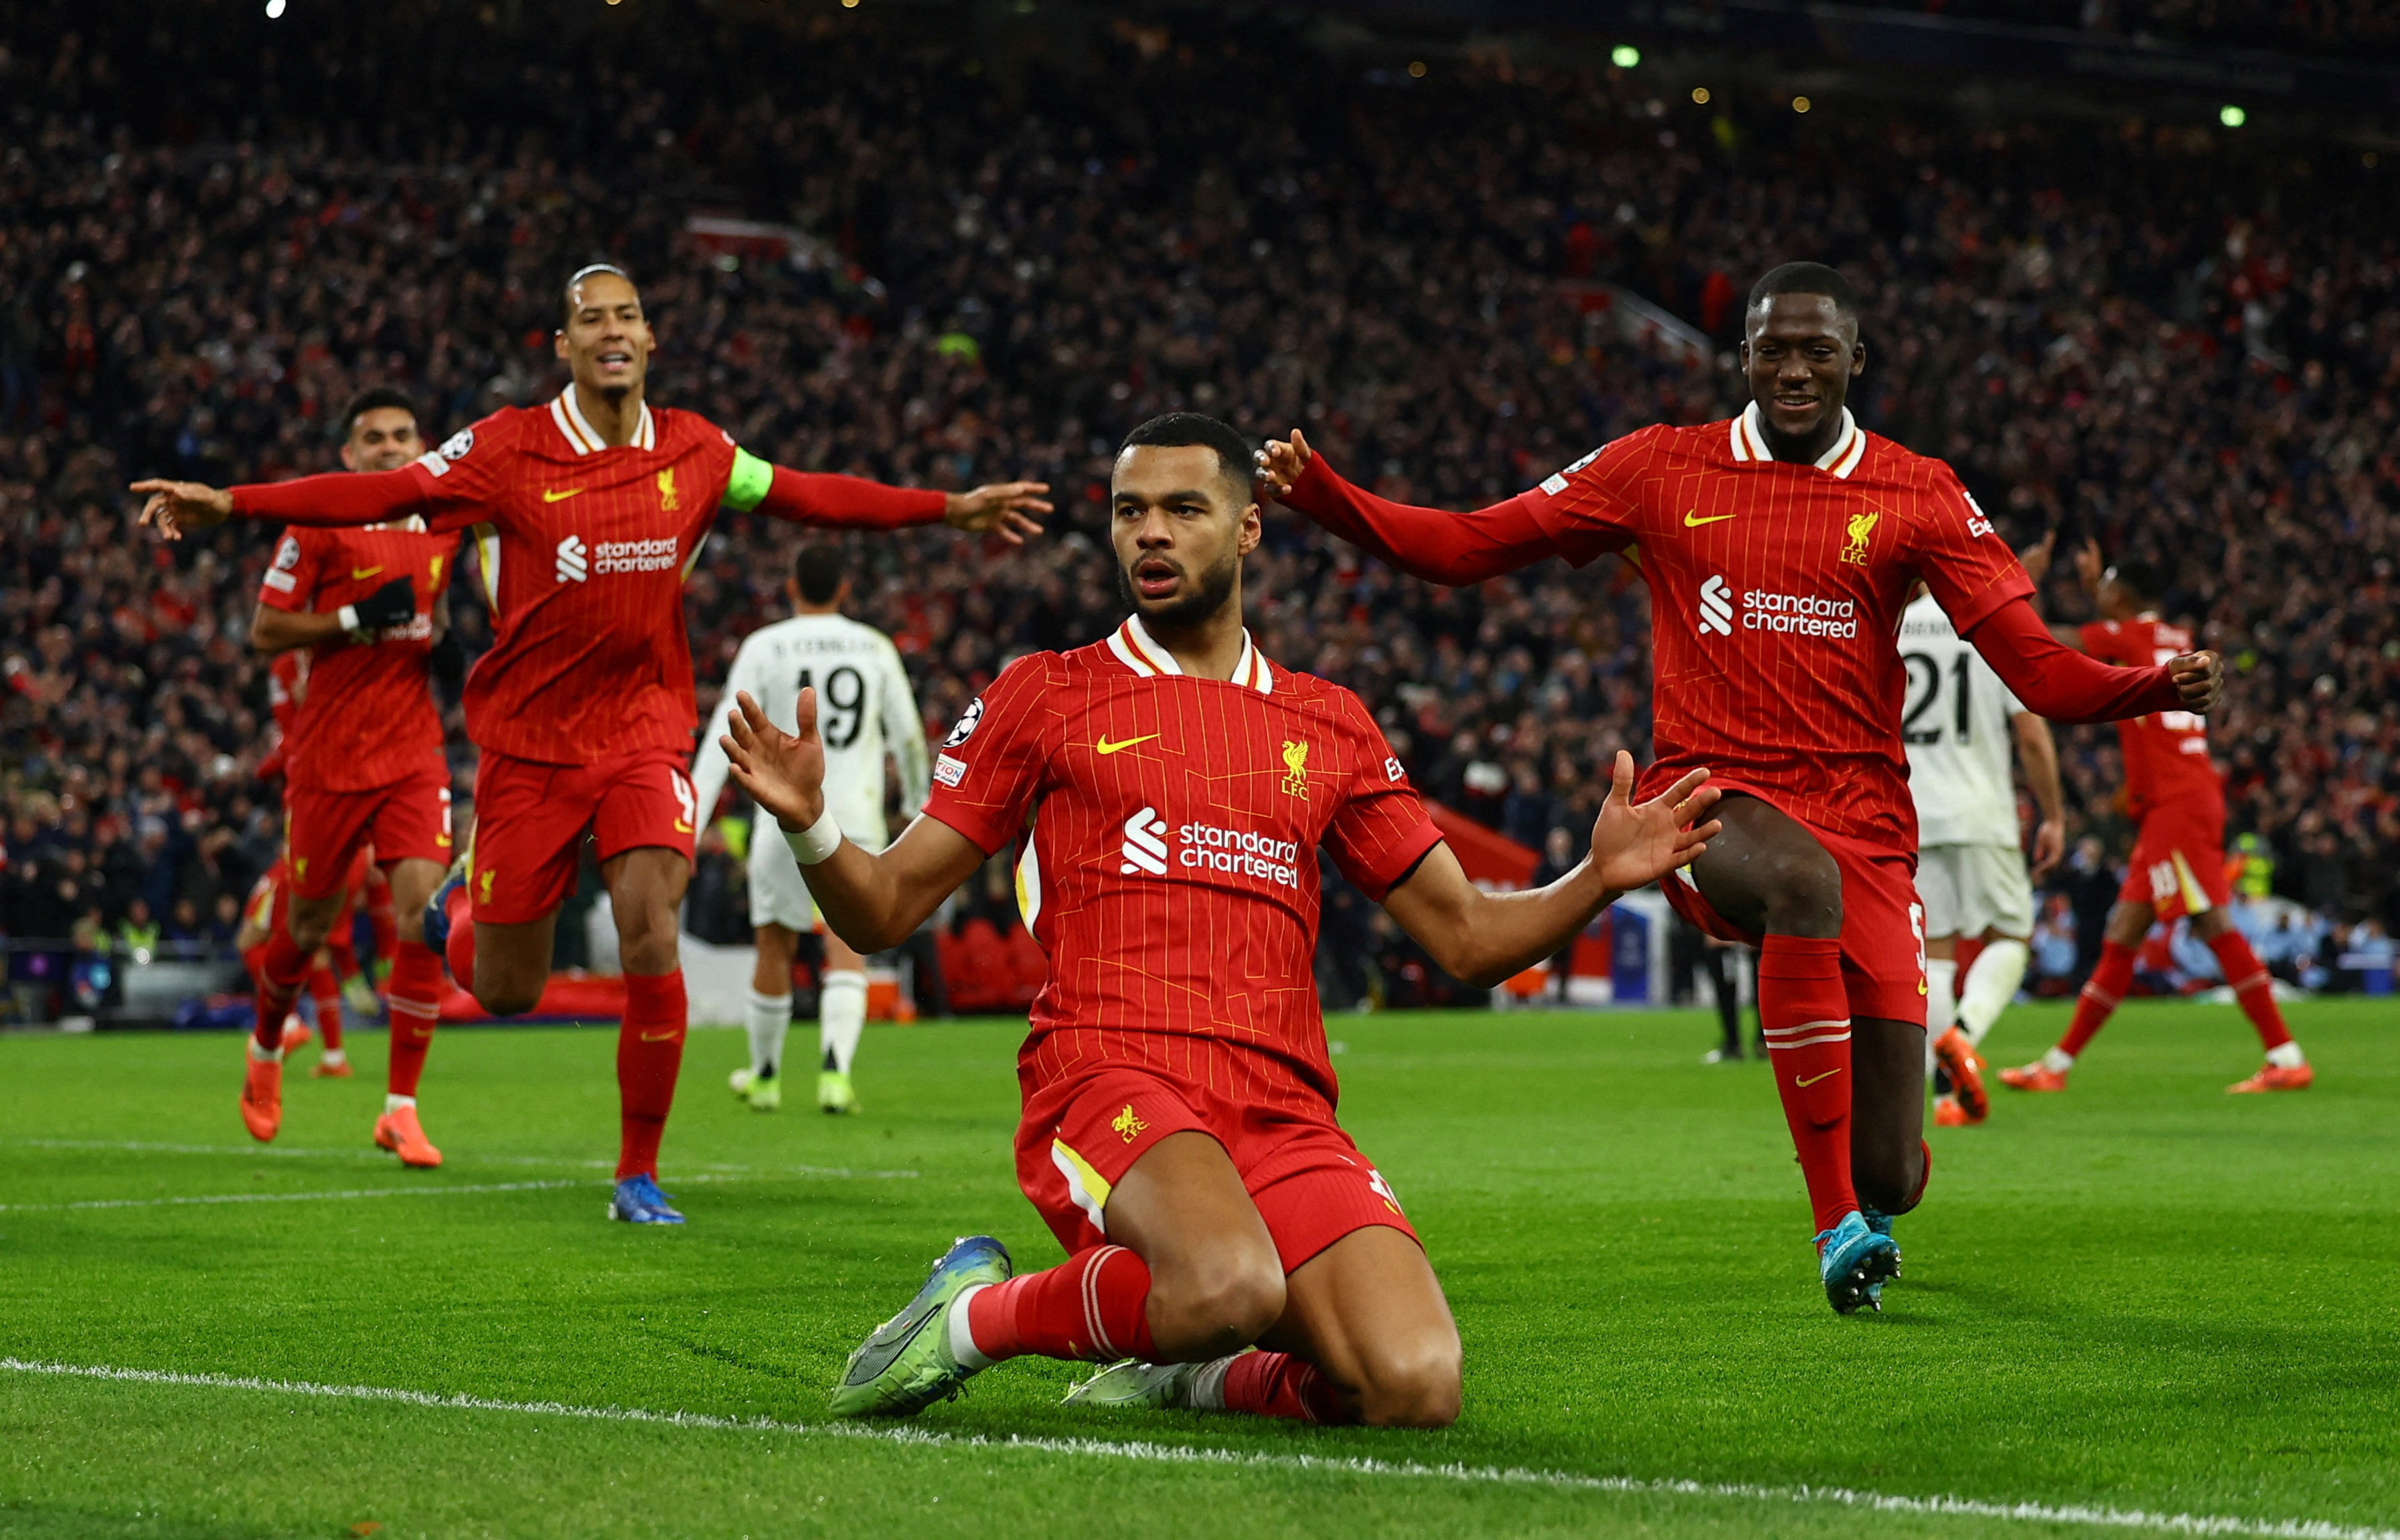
x=1854, y=1261
x=639, y=1200
x=437, y=915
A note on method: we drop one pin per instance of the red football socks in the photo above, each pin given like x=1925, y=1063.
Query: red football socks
x=2252, y=987
x=1277, y=1385
x=1093, y=1306
x=2111, y=976
x=414, y=993
x=649, y=1054
x=326, y=990
x=384, y=922
x=281, y=968
x=1805, y=1015
x=460, y=952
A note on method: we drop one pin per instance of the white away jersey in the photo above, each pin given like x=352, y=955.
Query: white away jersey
x=1955, y=727
x=865, y=709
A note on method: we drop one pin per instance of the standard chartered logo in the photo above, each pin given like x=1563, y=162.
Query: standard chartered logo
x=1206, y=847
x=1793, y=614
x=1716, y=608
x=578, y=562
x=574, y=564
x=1145, y=850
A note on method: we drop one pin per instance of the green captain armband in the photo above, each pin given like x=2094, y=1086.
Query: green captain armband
x=746, y=488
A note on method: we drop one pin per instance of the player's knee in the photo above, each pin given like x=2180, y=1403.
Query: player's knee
x=1410, y=1383
x=645, y=938
x=504, y=997
x=1223, y=1305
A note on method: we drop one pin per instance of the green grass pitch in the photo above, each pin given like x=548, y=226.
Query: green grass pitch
x=2141, y=1295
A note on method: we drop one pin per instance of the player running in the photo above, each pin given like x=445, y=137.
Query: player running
x=2172, y=792
x=1178, y=1133
x=588, y=510
x=363, y=761
x=1781, y=547
x=1971, y=865
x=865, y=709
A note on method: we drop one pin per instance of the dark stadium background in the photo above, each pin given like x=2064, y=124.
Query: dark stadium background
x=1460, y=243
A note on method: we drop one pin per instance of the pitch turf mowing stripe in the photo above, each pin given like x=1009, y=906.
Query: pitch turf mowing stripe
x=379, y=1157
x=1173, y=1454
x=297, y=1197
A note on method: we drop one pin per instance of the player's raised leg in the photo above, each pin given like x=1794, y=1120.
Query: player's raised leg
x=2094, y=1003
x=2253, y=990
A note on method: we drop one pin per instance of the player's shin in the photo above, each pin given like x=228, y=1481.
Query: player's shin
x=282, y=968
x=460, y=952
x=841, y=1018
x=1272, y=1384
x=2111, y=976
x=325, y=989
x=415, y=996
x=1940, y=1004
x=649, y=1055
x=767, y=1019
x=1093, y=1306
x=1804, y=1012
x=2253, y=990
x=1992, y=981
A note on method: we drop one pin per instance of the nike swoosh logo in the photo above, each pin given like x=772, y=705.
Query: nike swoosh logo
x=549, y=497
x=682, y=827
x=360, y=574
x=1107, y=747
x=1694, y=521
x=1812, y=1080
x=661, y=1037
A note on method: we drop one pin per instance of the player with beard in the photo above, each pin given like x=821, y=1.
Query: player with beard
x=1781, y=547
x=588, y=510
x=1167, y=789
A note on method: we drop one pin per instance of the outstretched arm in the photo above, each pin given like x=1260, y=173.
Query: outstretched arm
x=1424, y=542
x=1484, y=938
x=335, y=498
x=1007, y=509
x=872, y=902
x=2054, y=680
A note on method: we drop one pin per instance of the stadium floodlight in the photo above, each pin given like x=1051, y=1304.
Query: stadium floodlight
x=2231, y=116
x=1801, y=104
x=1699, y=96
x=1625, y=55
x=274, y=9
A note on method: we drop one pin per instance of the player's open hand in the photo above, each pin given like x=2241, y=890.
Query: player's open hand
x=172, y=507
x=2200, y=678
x=2037, y=557
x=2049, y=847
x=1637, y=843
x=783, y=771
x=1007, y=509
x=1281, y=463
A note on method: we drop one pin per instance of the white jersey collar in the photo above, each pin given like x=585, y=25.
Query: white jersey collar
x=584, y=438
x=1139, y=651
x=1849, y=444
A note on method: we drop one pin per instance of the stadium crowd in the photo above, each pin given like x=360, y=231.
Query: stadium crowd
x=2182, y=344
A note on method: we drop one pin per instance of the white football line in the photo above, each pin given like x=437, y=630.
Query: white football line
x=1144, y=1452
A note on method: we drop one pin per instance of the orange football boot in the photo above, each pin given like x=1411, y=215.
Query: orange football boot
x=2275, y=1077
x=296, y=1033
x=1947, y=1113
x=322, y=1070
x=1953, y=1052
x=398, y=1132
x=262, y=1096
x=2035, y=1076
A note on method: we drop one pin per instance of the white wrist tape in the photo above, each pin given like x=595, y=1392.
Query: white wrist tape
x=348, y=616
x=815, y=843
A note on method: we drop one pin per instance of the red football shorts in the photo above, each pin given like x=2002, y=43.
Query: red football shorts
x=530, y=819
x=1883, y=926
x=408, y=820
x=2178, y=865
x=1082, y=1133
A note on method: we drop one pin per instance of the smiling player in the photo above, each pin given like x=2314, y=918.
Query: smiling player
x=587, y=511
x=1781, y=547
x=1178, y=1133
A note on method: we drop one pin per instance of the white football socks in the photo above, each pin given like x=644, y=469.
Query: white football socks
x=1991, y=983
x=769, y=1017
x=962, y=1343
x=1940, y=995
x=2286, y=1056
x=2057, y=1061
x=394, y=1103
x=842, y=1017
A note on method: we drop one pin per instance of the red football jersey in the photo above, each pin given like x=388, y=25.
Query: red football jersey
x=366, y=716
x=1777, y=591
x=1169, y=868
x=2166, y=752
x=584, y=549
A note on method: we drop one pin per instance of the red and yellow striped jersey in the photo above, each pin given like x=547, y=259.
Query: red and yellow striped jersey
x=1168, y=828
